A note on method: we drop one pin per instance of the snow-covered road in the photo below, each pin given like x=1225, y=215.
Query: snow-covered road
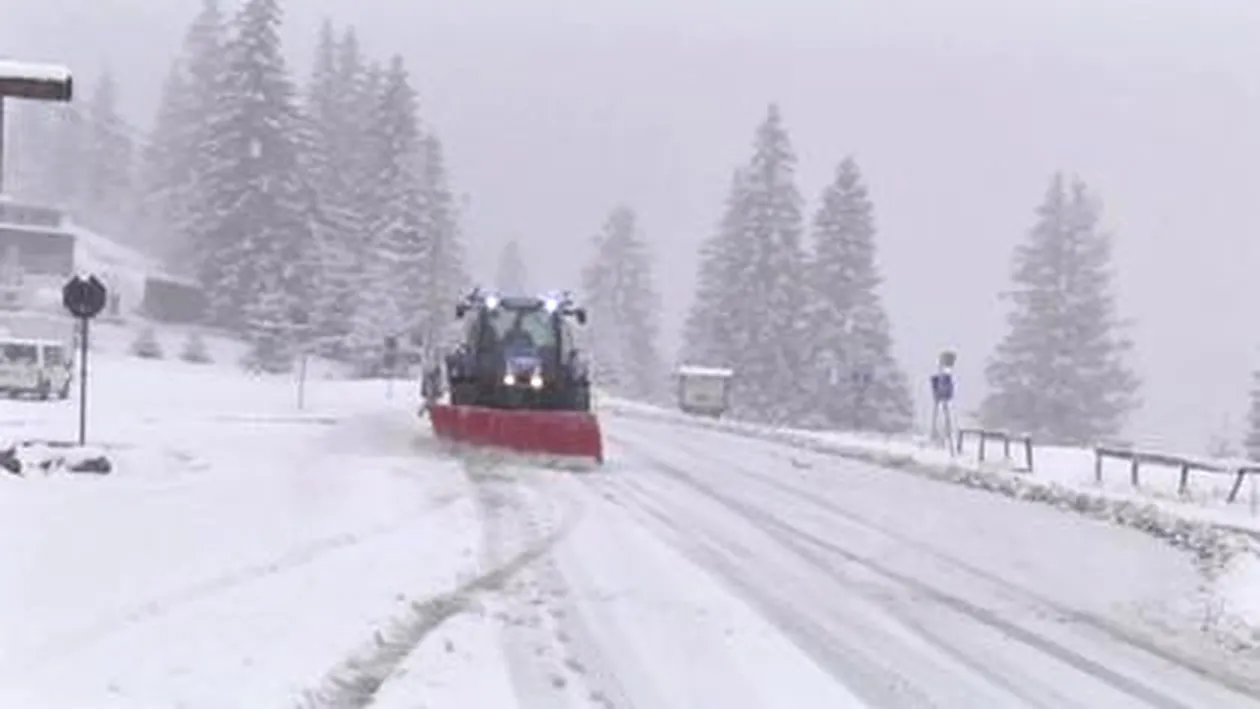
x=247, y=555
x=916, y=593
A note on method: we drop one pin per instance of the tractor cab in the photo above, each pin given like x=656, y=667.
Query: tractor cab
x=519, y=352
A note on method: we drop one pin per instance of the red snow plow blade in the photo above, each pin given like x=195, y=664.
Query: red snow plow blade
x=561, y=433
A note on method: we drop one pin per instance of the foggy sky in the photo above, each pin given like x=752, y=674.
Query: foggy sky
x=553, y=111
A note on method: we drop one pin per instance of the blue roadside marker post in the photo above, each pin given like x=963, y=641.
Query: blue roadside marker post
x=942, y=393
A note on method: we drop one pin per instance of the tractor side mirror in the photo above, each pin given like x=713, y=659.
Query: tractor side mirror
x=580, y=315
x=460, y=310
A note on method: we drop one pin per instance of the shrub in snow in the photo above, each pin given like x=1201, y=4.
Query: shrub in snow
x=269, y=356
x=146, y=345
x=195, y=351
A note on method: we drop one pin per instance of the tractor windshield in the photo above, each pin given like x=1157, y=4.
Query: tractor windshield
x=531, y=328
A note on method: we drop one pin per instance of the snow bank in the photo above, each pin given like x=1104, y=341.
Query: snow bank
x=25, y=458
x=1239, y=588
x=1228, y=550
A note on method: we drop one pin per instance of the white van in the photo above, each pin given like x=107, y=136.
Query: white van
x=39, y=367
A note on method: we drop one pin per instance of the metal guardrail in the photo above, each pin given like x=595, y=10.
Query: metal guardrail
x=1185, y=465
x=1006, y=438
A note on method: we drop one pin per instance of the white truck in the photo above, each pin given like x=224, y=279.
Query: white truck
x=704, y=391
x=41, y=368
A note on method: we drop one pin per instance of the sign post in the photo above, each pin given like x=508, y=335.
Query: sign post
x=300, y=319
x=943, y=393
x=34, y=82
x=389, y=360
x=84, y=298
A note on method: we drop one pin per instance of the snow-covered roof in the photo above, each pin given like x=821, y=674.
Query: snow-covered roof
x=694, y=371
x=27, y=71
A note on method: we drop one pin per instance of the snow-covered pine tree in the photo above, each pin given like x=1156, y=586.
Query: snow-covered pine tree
x=323, y=109
x=857, y=379
x=512, y=275
x=261, y=229
x=107, y=165
x=330, y=167
x=164, y=172
x=396, y=286
x=710, y=336
x=770, y=277
x=620, y=294
x=1060, y=372
x=270, y=330
x=176, y=156
x=361, y=83
x=448, y=275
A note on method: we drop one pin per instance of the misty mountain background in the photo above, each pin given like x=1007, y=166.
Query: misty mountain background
x=552, y=112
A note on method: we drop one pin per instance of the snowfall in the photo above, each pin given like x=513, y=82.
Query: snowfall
x=248, y=552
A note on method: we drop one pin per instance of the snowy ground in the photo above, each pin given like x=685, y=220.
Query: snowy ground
x=245, y=553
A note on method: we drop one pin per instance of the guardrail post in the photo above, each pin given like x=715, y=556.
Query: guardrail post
x=1028, y=452
x=1098, y=465
x=1133, y=471
x=1238, y=481
x=983, y=439
x=1184, y=480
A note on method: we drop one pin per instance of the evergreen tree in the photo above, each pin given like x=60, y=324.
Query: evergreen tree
x=179, y=153
x=621, y=296
x=447, y=272
x=362, y=82
x=164, y=172
x=709, y=333
x=259, y=225
x=400, y=254
x=512, y=275
x=331, y=165
x=768, y=278
x=1059, y=374
x=858, y=379
x=324, y=110
x=107, y=165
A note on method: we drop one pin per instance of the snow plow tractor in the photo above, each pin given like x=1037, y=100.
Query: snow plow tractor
x=516, y=380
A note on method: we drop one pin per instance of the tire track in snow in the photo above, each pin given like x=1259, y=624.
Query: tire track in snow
x=551, y=655
x=353, y=684
x=841, y=644
x=814, y=549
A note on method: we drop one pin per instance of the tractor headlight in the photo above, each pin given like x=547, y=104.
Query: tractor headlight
x=509, y=379
x=536, y=381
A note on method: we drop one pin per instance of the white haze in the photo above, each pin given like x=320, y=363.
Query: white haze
x=552, y=111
